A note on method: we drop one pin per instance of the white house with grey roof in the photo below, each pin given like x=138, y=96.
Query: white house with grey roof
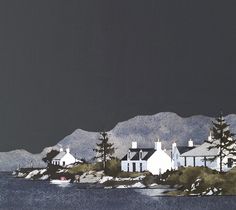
x=64, y=158
x=193, y=155
x=154, y=160
x=200, y=156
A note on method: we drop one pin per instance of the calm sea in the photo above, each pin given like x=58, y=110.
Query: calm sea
x=25, y=194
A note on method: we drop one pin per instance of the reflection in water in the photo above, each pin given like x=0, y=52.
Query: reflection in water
x=152, y=192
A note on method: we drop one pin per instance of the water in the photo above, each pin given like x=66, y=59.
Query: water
x=25, y=194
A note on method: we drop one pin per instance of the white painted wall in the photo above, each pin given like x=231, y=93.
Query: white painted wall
x=159, y=162
x=68, y=159
x=124, y=165
x=199, y=161
x=176, y=159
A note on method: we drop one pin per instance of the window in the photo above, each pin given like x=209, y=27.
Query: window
x=176, y=156
x=230, y=162
x=63, y=163
x=141, y=167
x=134, y=167
x=128, y=167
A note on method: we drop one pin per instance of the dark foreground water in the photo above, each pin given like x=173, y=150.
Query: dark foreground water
x=25, y=194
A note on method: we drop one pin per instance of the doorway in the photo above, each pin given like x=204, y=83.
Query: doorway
x=134, y=167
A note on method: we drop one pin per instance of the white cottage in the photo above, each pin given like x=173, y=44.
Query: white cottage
x=64, y=158
x=154, y=160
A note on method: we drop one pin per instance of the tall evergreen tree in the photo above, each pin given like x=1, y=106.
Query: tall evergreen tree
x=104, y=150
x=222, y=139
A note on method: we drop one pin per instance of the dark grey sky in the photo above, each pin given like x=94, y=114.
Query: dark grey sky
x=90, y=64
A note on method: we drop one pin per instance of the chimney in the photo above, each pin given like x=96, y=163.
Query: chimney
x=174, y=145
x=61, y=149
x=129, y=154
x=190, y=143
x=68, y=150
x=157, y=145
x=210, y=137
x=134, y=145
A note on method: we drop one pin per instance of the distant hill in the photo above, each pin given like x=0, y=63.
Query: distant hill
x=166, y=126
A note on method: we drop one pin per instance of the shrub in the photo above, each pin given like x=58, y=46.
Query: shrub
x=203, y=180
x=229, y=185
x=82, y=168
x=98, y=166
x=113, y=167
x=52, y=169
x=189, y=175
x=150, y=179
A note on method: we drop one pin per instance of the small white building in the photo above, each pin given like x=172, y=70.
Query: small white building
x=64, y=158
x=154, y=160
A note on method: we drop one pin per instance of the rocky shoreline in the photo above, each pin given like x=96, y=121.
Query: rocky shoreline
x=90, y=179
x=189, y=181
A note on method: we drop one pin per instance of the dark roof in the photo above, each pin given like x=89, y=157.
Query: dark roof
x=135, y=157
x=183, y=149
x=143, y=149
x=149, y=154
x=149, y=151
x=59, y=155
x=124, y=158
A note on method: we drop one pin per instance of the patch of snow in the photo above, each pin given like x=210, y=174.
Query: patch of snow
x=62, y=171
x=138, y=185
x=195, y=184
x=90, y=178
x=20, y=174
x=32, y=174
x=139, y=178
x=42, y=171
x=91, y=172
x=122, y=186
x=44, y=177
x=210, y=192
x=193, y=187
x=123, y=179
x=105, y=178
x=100, y=173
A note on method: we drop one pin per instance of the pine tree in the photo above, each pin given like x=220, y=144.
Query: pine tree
x=104, y=150
x=222, y=139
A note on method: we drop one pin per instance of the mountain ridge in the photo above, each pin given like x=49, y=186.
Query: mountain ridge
x=145, y=129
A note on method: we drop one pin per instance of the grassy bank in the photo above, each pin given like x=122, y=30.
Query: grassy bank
x=201, y=181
